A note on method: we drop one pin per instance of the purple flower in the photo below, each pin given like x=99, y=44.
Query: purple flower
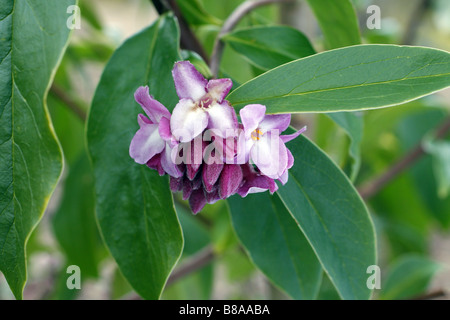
x=239, y=158
x=262, y=141
x=153, y=143
x=255, y=182
x=201, y=104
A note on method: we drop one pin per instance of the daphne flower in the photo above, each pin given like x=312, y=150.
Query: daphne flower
x=255, y=182
x=263, y=143
x=153, y=143
x=201, y=104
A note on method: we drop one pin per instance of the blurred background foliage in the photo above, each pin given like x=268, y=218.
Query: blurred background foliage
x=411, y=213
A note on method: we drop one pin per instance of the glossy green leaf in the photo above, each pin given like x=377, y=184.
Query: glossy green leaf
x=134, y=204
x=271, y=46
x=440, y=152
x=338, y=21
x=408, y=277
x=198, y=285
x=425, y=181
x=332, y=216
x=74, y=222
x=353, y=125
x=275, y=244
x=348, y=79
x=33, y=36
x=195, y=14
x=327, y=290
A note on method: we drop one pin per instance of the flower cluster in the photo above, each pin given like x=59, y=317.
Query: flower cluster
x=206, y=152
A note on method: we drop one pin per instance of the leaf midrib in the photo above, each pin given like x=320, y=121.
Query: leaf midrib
x=337, y=88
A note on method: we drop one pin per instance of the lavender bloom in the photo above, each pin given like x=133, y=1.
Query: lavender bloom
x=201, y=105
x=208, y=155
x=263, y=143
x=152, y=144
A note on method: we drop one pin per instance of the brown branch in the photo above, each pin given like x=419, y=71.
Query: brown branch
x=431, y=295
x=229, y=24
x=414, y=22
x=68, y=101
x=188, y=39
x=194, y=263
x=369, y=189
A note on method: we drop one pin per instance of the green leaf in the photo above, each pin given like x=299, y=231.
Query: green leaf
x=33, y=36
x=270, y=47
x=195, y=14
x=327, y=290
x=348, y=79
x=353, y=125
x=332, y=216
x=74, y=222
x=198, y=285
x=134, y=204
x=408, y=277
x=275, y=244
x=338, y=22
x=440, y=152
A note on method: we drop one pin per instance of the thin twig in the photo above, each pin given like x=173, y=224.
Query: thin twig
x=68, y=101
x=372, y=187
x=431, y=295
x=414, y=22
x=188, y=40
x=229, y=25
x=196, y=262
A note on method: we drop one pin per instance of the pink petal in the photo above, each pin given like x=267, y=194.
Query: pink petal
x=154, y=109
x=189, y=83
x=197, y=201
x=176, y=184
x=143, y=120
x=213, y=196
x=155, y=163
x=279, y=122
x=210, y=174
x=168, y=165
x=251, y=116
x=269, y=155
x=284, y=177
x=222, y=119
x=290, y=159
x=254, y=182
x=289, y=137
x=187, y=189
x=146, y=143
x=191, y=170
x=219, y=88
x=187, y=121
x=164, y=129
x=230, y=180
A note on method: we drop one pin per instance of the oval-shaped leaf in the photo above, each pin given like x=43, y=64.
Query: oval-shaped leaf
x=134, y=205
x=408, y=277
x=348, y=79
x=33, y=35
x=338, y=22
x=268, y=47
x=353, y=125
x=75, y=219
x=276, y=244
x=332, y=217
